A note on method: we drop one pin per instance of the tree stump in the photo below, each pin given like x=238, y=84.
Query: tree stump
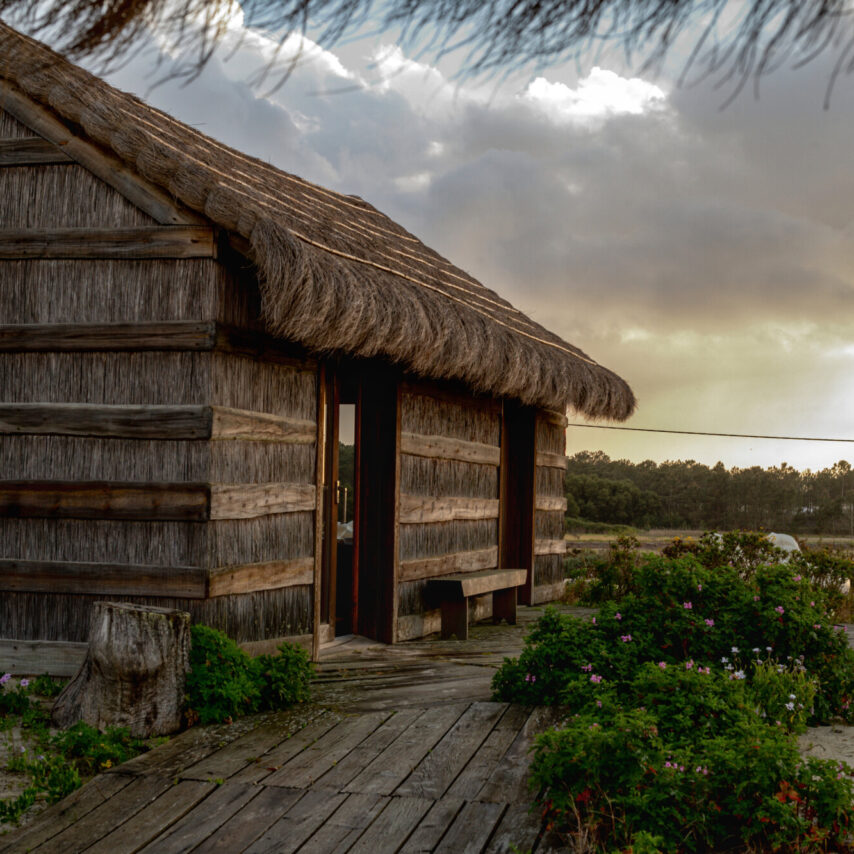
x=134, y=672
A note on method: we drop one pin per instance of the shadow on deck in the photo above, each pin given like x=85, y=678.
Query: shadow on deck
x=401, y=751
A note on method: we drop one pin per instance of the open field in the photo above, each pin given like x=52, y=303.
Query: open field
x=655, y=539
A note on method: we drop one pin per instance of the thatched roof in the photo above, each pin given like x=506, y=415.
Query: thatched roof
x=336, y=274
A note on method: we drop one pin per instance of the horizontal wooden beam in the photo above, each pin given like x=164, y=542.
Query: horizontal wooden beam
x=155, y=201
x=187, y=502
x=152, y=422
x=102, y=579
x=125, y=422
x=73, y=337
x=30, y=151
x=250, y=500
x=413, y=570
x=445, y=448
x=549, y=547
x=554, y=461
x=418, y=508
x=478, y=583
x=548, y=592
x=550, y=503
x=35, y=657
x=260, y=427
x=138, y=242
x=269, y=575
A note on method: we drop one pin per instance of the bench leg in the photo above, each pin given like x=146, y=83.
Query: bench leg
x=504, y=605
x=455, y=619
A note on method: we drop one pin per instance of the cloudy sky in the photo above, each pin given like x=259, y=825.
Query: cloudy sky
x=705, y=254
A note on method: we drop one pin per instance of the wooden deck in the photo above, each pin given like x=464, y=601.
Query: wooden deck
x=401, y=751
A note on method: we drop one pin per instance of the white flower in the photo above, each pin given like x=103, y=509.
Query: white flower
x=724, y=659
x=739, y=674
x=790, y=707
x=734, y=649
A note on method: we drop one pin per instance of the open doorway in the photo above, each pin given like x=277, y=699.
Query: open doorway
x=359, y=500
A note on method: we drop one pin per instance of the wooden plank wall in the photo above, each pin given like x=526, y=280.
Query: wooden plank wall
x=549, y=507
x=150, y=450
x=449, y=469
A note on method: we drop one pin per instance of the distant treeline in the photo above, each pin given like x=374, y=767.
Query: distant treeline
x=687, y=494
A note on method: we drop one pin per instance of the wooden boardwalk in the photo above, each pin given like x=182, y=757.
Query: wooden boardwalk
x=401, y=751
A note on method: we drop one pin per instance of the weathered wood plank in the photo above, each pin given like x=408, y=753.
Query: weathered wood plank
x=392, y=826
x=363, y=754
x=68, y=811
x=509, y=783
x=298, y=823
x=155, y=201
x=271, y=761
x=203, y=821
x=122, y=806
x=250, y=500
x=260, y=427
x=416, y=509
x=433, y=826
x=444, y=448
x=105, y=500
x=548, y=592
x=547, y=460
x=242, y=752
x=311, y=764
x=412, y=570
x=34, y=657
x=517, y=831
x=345, y=825
x=177, y=501
x=243, y=828
x=62, y=337
x=549, y=547
x=153, y=821
x=438, y=770
x=471, y=829
x=30, y=151
x=269, y=575
x=395, y=763
x=549, y=503
x=102, y=579
x=477, y=583
x=483, y=764
x=108, y=421
x=138, y=242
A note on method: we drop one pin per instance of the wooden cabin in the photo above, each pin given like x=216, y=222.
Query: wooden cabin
x=185, y=335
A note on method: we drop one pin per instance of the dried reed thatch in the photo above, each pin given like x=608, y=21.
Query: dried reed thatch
x=336, y=274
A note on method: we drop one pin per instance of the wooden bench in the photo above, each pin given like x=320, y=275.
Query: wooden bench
x=454, y=592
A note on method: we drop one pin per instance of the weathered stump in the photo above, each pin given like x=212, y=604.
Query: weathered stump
x=134, y=672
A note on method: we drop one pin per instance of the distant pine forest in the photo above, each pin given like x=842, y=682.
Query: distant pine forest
x=687, y=494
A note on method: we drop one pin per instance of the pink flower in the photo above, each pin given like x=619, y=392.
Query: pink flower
x=626, y=638
x=709, y=622
x=618, y=616
x=25, y=683
x=595, y=679
x=598, y=704
x=780, y=609
x=689, y=665
x=594, y=621
x=587, y=667
x=687, y=606
x=700, y=587
x=662, y=665
x=816, y=625
x=797, y=578
x=5, y=678
x=755, y=598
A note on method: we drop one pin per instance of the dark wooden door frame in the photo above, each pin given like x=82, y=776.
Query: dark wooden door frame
x=517, y=493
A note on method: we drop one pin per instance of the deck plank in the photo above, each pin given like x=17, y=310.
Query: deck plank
x=149, y=823
x=471, y=829
x=438, y=770
x=433, y=826
x=297, y=824
x=395, y=763
x=345, y=825
x=313, y=762
x=203, y=821
x=245, y=826
x=361, y=756
x=518, y=830
x=72, y=809
x=483, y=764
x=392, y=827
x=125, y=804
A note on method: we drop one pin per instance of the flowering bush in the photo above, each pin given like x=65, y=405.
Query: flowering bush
x=684, y=701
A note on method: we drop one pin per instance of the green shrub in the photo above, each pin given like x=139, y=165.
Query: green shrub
x=220, y=683
x=224, y=682
x=284, y=679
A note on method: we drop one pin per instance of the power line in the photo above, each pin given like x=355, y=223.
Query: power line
x=699, y=433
